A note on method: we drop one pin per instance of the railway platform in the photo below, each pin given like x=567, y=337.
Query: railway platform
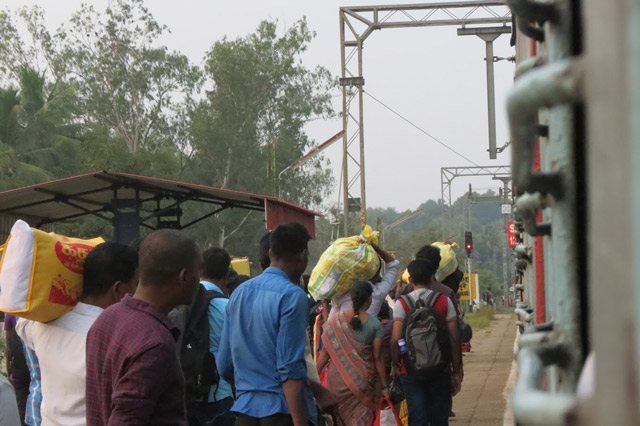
x=489, y=375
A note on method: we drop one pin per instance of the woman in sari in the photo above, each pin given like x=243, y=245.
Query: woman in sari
x=352, y=341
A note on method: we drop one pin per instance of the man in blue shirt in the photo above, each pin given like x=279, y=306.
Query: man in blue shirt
x=216, y=263
x=263, y=338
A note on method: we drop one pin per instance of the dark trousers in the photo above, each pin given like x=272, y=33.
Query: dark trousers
x=211, y=413
x=275, y=420
x=428, y=402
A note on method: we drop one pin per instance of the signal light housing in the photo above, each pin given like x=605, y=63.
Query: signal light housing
x=468, y=242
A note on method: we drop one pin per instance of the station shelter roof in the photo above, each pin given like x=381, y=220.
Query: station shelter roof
x=105, y=193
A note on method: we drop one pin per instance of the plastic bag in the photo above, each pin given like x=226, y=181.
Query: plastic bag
x=40, y=273
x=387, y=416
x=346, y=260
x=396, y=393
x=448, y=260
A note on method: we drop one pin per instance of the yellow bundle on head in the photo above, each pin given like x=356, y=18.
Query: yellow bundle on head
x=405, y=276
x=41, y=273
x=345, y=261
x=448, y=260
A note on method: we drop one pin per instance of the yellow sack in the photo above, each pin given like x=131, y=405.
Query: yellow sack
x=241, y=265
x=40, y=273
x=404, y=413
x=345, y=261
x=448, y=260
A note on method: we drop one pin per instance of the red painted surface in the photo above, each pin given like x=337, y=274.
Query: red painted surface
x=538, y=244
x=278, y=212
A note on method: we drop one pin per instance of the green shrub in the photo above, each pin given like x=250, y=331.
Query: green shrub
x=480, y=319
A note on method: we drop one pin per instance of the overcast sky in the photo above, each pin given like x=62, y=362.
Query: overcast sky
x=431, y=76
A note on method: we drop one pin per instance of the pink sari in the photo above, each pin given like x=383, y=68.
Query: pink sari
x=351, y=374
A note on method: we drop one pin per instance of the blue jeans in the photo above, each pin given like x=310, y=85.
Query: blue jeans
x=211, y=413
x=428, y=402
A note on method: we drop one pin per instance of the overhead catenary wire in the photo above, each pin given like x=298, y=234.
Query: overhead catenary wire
x=421, y=129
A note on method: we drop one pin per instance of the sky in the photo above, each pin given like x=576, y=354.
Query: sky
x=431, y=76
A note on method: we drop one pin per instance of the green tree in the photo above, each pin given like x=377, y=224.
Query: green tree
x=125, y=80
x=37, y=135
x=488, y=281
x=251, y=124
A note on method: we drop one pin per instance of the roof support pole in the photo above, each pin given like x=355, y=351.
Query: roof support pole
x=126, y=219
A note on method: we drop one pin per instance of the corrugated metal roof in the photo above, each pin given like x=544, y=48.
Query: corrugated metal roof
x=102, y=192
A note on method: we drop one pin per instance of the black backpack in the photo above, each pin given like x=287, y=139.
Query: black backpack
x=426, y=337
x=197, y=361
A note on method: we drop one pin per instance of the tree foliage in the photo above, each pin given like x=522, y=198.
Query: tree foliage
x=103, y=92
x=487, y=225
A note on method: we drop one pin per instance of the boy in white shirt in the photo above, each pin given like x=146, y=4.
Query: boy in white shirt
x=110, y=272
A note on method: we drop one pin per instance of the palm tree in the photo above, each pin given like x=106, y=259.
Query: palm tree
x=38, y=138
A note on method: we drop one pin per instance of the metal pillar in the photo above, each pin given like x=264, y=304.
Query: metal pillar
x=489, y=35
x=356, y=24
x=507, y=215
x=491, y=95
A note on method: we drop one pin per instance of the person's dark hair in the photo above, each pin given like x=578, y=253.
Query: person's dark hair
x=216, y=263
x=453, y=280
x=385, y=311
x=430, y=253
x=106, y=264
x=164, y=253
x=289, y=239
x=421, y=271
x=360, y=293
x=235, y=281
x=265, y=245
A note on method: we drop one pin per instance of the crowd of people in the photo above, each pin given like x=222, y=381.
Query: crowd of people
x=167, y=334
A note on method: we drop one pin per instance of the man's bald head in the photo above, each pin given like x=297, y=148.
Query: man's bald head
x=164, y=254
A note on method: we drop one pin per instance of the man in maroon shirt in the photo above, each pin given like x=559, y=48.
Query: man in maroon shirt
x=133, y=372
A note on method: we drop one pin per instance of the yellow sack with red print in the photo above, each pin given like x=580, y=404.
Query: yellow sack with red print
x=345, y=261
x=41, y=273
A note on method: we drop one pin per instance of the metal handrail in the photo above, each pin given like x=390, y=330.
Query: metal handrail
x=532, y=406
x=554, y=84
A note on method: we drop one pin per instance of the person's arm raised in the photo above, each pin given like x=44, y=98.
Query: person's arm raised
x=384, y=255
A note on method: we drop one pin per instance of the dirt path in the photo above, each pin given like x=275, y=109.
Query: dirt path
x=482, y=401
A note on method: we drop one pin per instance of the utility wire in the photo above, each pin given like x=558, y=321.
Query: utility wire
x=421, y=130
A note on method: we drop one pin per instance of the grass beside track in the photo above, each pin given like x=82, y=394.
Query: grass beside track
x=480, y=319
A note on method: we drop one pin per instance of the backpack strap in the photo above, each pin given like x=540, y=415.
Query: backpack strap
x=431, y=298
x=407, y=303
x=213, y=294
